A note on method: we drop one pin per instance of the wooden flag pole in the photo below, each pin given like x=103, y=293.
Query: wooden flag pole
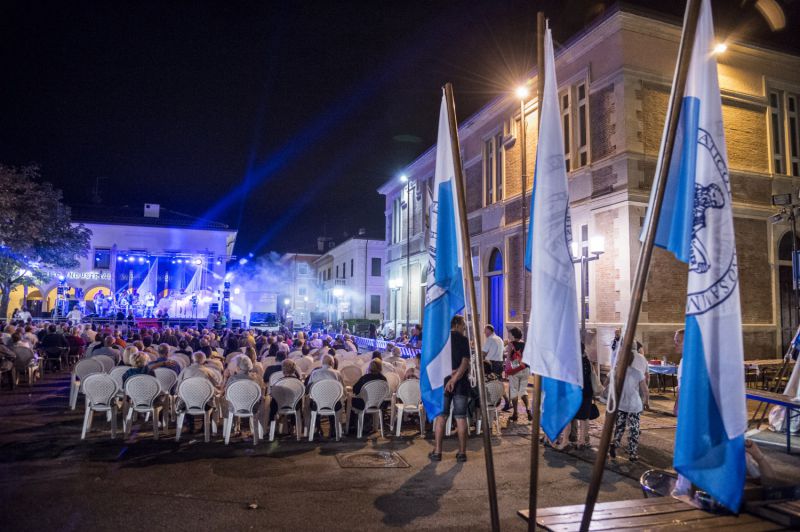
x=536, y=406
x=460, y=186
x=625, y=357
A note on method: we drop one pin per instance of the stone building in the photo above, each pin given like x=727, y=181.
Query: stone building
x=614, y=81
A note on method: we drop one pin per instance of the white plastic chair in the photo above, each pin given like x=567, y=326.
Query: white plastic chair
x=325, y=394
x=374, y=394
x=142, y=393
x=182, y=359
x=304, y=364
x=271, y=361
x=101, y=396
x=106, y=361
x=243, y=397
x=167, y=379
x=196, y=398
x=117, y=374
x=343, y=353
x=411, y=403
x=293, y=354
x=350, y=375
x=287, y=393
x=494, y=394
x=82, y=369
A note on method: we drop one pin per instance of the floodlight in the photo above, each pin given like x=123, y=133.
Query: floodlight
x=781, y=199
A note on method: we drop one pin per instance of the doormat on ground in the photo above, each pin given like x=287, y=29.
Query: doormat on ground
x=371, y=459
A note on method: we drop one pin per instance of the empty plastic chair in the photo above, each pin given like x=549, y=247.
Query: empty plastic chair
x=101, y=396
x=82, y=369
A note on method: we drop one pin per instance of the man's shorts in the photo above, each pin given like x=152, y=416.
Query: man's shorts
x=459, y=403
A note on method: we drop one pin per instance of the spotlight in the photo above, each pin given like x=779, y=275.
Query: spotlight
x=242, y=261
x=180, y=261
x=61, y=278
x=141, y=260
x=522, y=92
x=219, y=262
x=237, y=290
x=250, y=255
x=720, y=48
x=120, y=259
x=198, y=262
x=130, y=259
x=173, y=261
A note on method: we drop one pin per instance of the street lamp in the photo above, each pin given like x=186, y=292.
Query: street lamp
x=404, y=179
x=395, y=285
x=582, y=257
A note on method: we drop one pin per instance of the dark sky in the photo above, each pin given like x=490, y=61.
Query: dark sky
x=279, y=118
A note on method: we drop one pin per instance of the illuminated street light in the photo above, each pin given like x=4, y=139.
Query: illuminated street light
x=237, y=290
x=338, y=292
x=720, y=48
x=404, y=178
x=286, y=301
x=522, y=92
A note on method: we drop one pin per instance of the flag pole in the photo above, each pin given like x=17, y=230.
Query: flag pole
x=470, y=284
x=536, y=405
x=625, y=357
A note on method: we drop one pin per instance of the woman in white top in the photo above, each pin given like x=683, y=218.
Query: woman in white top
x=631, y=404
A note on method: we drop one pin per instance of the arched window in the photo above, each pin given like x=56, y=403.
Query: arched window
x=494, y=291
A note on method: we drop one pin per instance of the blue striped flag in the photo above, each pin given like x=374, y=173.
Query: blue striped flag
x=444, y=296
x=696, y=224
x=552, y=347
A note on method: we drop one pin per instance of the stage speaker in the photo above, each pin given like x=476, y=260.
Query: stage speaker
x=213, y=307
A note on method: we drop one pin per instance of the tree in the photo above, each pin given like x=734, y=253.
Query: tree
x=36, y=231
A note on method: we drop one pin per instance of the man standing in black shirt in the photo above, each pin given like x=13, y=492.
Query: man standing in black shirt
x=456, y=392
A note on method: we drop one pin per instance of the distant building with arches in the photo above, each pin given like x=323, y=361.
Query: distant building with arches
x=151, y=249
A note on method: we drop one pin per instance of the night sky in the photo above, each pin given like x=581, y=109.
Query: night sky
x=279, y=118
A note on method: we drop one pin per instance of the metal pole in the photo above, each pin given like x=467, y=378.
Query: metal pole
x=536, y=407
x=460, y=185
x=640, y=280
x=524, y=179
x=408, y=253
x=584, y=272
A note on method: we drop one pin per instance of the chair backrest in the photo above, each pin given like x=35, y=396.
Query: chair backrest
x=409, y=393
x=106, y=361
x=387, y=367
x=195, y=392
x=100, y=389
x=350, y=374
x=393, y=380
x=275, y=377
x=374, y=393
x=343, y=353
x=243, y=395
x=117, y=374
x=181, y=359
x=400, y=368
x=326, y=393
x=287, y=392
x=166, y=379
x=269, y=361
x=293, y=354
x=494, y=393
x=142, y=390
x=86, y=367
x=304, y=364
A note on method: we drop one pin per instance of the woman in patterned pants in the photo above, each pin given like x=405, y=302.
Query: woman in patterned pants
x=630, y=407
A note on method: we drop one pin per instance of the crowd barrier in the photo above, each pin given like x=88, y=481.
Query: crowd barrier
x=372, y=344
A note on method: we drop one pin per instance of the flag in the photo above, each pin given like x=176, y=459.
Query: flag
x=696, y=225
x=552, y=349
x=444, y=295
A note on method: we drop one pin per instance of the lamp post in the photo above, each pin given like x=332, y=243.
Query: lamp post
x=395, y=285
x=582, y=257
x=404, y=179
x=522, y=93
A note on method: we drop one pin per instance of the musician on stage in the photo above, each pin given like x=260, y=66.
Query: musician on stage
x=99, y=302
x=149, y=304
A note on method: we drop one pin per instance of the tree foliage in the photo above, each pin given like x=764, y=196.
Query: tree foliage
x=36, y=231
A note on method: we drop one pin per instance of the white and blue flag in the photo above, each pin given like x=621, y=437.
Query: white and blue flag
x=696, y=224
x=444, y=296
x=552, y=347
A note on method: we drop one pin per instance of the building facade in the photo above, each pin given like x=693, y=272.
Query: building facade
x=301, y=286
x=350, y=280
x=614, y=82
x=156, y=251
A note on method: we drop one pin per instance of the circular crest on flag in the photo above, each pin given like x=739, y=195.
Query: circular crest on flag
x=713, y=272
